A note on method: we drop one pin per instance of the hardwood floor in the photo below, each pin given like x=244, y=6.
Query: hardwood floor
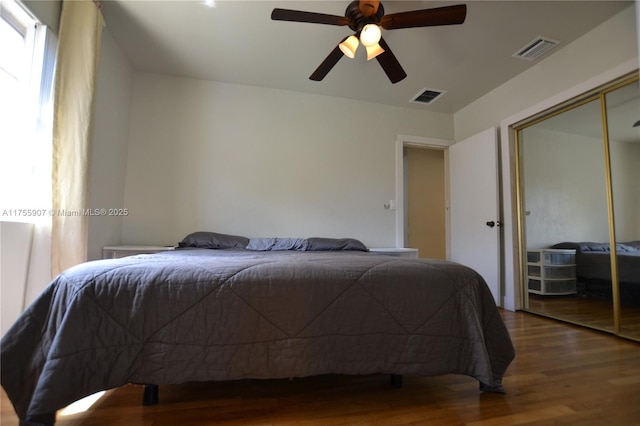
x=562, y=375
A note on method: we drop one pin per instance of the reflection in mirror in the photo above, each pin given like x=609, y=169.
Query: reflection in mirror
x=623, y=111
x=565, y=217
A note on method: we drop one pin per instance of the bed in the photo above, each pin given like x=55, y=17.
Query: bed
x=593, y=262
x=224, y=307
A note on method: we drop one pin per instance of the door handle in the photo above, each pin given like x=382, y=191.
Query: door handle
x=492, y=223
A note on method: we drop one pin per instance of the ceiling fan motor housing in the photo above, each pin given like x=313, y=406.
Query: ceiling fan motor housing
x=358, y=20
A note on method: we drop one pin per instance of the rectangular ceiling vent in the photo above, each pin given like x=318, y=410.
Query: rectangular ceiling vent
x=536, y=48
x=428, y=96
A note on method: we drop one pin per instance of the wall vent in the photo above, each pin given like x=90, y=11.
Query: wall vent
x=538, y=47
x=428, y=96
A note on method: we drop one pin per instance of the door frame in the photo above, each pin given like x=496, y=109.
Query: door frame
x=417, y=142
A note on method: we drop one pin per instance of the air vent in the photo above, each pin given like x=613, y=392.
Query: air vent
x=536, y=48
x=428, y=96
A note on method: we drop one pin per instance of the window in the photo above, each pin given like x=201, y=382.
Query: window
x=27, y=59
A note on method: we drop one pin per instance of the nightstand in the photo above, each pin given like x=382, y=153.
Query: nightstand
x=410, y=253
x=116, y=252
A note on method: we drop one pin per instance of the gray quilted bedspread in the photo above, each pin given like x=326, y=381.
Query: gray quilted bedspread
x=201, y=315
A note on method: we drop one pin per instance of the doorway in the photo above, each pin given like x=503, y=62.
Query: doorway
x=485, y=237
x=425, y=201
x=402, y=144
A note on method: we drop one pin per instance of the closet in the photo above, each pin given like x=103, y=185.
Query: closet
x=578, y=195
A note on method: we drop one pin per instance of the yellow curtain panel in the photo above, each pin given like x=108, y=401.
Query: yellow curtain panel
x=80, y=34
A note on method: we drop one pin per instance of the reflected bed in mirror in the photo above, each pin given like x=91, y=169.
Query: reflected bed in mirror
x=593, y=262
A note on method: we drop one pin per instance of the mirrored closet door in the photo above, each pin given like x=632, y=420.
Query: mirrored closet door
x=579, y=196
x=623, y=124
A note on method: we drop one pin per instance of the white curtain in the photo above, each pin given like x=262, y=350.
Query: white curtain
x=79, y=40
x=39, y=270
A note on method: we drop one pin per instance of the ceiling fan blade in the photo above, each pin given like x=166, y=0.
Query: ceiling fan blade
x=448, y=15
x=329, y=62
x=390, y=64
x=310, y=17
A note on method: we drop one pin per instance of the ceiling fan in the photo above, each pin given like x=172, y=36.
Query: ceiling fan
x=365, y=17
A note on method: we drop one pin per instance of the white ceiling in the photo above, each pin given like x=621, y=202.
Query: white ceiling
x=623, y=110
x=237, y=42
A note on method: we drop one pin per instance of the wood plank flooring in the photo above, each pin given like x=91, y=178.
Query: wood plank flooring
x=562, y=375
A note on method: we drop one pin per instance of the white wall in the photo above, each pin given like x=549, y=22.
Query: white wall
x=625, y=176
x=47, y=11
x=262, y=162
x=110, y=142
x=610, y=44
x=15, y=250
x=565, y=194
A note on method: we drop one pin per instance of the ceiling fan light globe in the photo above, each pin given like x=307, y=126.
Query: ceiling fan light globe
x=370, y=35
x=349, y=46
x=373, y=51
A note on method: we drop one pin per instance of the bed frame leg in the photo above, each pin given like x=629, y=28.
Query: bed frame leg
x=150, y=395
x=48, y=419
x=396, y=381
x=497, y=388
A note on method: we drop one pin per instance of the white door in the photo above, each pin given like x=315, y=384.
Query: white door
x=474, y=206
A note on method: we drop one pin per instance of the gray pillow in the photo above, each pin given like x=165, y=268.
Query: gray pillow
x=277, y=244
x=634, y=245
x=333, y=244
x=213, y=240
x=299, y=244
x=261, y=244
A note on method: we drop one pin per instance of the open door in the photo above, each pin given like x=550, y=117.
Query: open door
x=474, y=206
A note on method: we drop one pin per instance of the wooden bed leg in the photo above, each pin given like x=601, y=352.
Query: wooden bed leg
x=150, y=395
x=396, y=381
